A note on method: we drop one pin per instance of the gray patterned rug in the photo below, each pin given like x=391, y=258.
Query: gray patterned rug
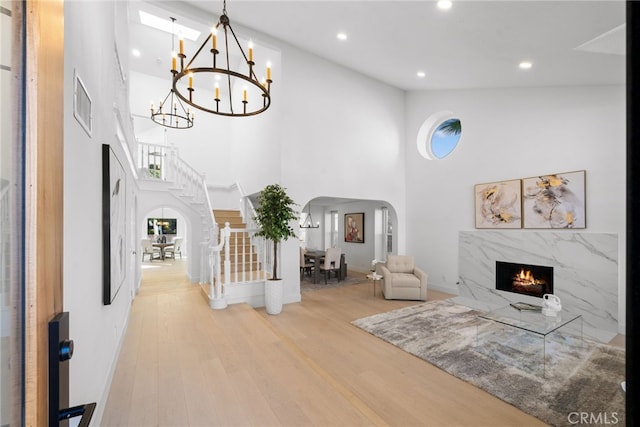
x=579, y=379
x=307, y=285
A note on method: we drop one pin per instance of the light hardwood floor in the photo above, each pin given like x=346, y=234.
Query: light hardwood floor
x=183, y=364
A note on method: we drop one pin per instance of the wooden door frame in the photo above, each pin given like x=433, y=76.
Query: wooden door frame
x=43, y=193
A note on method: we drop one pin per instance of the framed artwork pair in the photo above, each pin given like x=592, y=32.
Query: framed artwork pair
x=545, y=201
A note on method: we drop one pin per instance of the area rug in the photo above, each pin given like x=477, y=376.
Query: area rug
x=579, y=383
x=307, y=285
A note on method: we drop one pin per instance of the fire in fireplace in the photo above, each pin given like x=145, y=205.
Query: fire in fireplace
x=533, y=280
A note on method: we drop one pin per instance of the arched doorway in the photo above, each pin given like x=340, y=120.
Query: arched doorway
x=163, y=226
x=364, y=229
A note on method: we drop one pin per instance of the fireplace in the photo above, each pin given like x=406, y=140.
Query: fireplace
x=533, y=280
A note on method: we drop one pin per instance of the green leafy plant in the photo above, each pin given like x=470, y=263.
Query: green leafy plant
x=273, y=215
x=451, y=127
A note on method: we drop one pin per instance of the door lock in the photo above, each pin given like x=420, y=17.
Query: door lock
x=60, y=352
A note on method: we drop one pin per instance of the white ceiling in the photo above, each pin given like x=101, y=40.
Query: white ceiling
x=475, y=44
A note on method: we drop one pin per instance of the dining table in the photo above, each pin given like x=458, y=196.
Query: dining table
x=162, y=247
x=317, y=257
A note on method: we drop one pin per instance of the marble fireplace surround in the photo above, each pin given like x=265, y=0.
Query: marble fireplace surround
x=585, y=272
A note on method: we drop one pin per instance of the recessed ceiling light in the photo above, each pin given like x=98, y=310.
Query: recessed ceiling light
x=341, y=36
x=525, y=65
x=135, y=52
x=421, y=74
x=168, y=26
x=445, y=4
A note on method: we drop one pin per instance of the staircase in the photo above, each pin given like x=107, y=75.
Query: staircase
x=234, y=218
x=241, y=253
x=232, y=260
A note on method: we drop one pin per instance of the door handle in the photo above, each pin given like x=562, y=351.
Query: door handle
x=84, y=411
x=60, y=352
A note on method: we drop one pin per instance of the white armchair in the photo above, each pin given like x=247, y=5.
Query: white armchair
x=171, y=251
x=149, y=249
x=402, y=279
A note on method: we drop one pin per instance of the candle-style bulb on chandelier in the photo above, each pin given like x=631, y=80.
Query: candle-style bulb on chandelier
x=228, y=92
x=171, y=112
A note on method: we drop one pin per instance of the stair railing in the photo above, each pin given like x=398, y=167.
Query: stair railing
x=245, y=253
x=247, y=209
x=248, y=213
x=190, y=181
x=217, y=289
x=151, y=161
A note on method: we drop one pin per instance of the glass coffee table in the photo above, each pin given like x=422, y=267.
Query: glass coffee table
x=521, y=332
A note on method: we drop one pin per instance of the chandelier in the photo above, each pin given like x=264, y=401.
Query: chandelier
x=308, y=221
x=171, y=112
x=223, y=80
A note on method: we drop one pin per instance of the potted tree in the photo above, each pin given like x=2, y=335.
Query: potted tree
x=273, y=215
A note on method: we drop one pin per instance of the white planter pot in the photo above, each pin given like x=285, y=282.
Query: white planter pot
x=273, y=296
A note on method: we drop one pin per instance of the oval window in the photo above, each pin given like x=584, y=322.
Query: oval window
x=439, y=135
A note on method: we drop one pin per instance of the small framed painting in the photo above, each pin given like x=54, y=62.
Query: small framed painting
x=354, y=227
x=555, y=201
x=498, y=204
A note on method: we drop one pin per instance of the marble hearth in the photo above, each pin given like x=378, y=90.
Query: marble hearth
x=585, y=272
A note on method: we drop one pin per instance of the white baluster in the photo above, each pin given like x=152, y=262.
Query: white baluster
x=227, y=258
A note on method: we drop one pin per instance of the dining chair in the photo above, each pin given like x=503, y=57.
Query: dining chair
x=171, y=251
x=305, y=264
x=331, y=263
x=149, y=249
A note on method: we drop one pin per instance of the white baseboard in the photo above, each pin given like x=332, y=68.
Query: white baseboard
x=453, y=289
x=253, y=294
x=292, y=298
x=622, y=328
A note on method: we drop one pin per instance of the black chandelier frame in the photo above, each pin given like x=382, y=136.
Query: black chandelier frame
x=178, y=116
x=308, y=221
x=251, y=78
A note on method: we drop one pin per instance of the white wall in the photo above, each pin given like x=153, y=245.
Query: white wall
x=95, y=328
x=511, y=134
x=256, y=146
x=342, y=133
x=224, y=197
